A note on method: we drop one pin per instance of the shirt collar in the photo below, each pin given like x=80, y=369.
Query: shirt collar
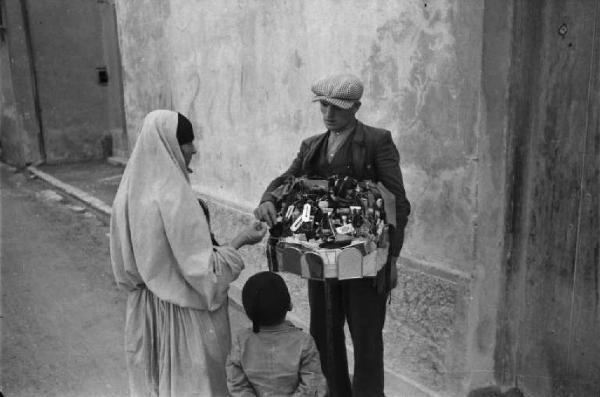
x=346, y=130
x=278, y=327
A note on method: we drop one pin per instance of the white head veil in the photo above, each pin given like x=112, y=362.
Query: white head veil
x=159, y=236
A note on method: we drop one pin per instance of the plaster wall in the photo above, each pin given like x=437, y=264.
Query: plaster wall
x=19, y=127
x=114, y=89
x=242, y=70
x=12, y=151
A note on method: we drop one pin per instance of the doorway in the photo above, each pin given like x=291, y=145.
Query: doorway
x=74, y=52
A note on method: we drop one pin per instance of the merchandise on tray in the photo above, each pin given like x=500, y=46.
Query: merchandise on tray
x=322, y=217
x=329, y=211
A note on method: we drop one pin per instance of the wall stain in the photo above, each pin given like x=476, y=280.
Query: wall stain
x=404, y=70
x=298, y=61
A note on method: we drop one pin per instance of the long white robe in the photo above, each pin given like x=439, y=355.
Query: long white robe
x=177, y=332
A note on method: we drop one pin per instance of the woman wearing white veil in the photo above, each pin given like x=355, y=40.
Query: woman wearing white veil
x=177, y=332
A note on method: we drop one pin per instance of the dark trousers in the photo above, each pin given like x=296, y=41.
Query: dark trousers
x=358, y=302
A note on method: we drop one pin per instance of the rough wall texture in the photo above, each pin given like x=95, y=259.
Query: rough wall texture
x=114, y=89
x=241, y=70
x=12, y=151
x=492, y=191
x=19, y=127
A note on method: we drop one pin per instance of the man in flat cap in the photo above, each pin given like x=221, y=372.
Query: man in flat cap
x=349, y=148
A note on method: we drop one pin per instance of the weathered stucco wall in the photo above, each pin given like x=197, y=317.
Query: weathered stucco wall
x=114, y=88
x=19, y=127
x=9, y=119
x=242, y=70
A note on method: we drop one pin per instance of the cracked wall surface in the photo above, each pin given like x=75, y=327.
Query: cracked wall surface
x=241, y=70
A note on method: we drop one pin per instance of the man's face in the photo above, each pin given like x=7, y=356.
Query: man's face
x=336, y=118
x=188, y=150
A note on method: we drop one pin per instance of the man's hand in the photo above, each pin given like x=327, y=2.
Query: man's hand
x=266, y=212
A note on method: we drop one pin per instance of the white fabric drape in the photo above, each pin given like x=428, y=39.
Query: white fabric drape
x=161, y=252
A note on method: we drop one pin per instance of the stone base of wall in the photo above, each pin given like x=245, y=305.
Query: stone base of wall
x=425, y=329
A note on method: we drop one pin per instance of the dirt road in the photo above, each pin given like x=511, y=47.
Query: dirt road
x=62, y=313
x=63, y=316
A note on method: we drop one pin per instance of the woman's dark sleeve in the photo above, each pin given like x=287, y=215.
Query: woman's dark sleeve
x=207, y=214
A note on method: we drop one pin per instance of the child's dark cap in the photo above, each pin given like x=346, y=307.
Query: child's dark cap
x=266, y=299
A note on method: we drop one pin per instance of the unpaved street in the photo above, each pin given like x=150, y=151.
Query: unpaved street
x=62, y=313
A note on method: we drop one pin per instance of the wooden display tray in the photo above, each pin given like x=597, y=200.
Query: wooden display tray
x=358, y=260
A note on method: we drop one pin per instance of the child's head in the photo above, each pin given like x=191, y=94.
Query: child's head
x=266, y=299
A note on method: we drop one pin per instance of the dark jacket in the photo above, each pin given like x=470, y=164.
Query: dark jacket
x=374, y=157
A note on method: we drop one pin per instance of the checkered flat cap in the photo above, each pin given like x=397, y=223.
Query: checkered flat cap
x=342, y=90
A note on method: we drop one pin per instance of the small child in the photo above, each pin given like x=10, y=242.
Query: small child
x=274, y=358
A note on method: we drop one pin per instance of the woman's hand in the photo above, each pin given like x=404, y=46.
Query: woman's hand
x=255, y=232
x=251, y=234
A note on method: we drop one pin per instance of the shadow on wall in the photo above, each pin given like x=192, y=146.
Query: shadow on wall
x=107, y=146
x=494, y=391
